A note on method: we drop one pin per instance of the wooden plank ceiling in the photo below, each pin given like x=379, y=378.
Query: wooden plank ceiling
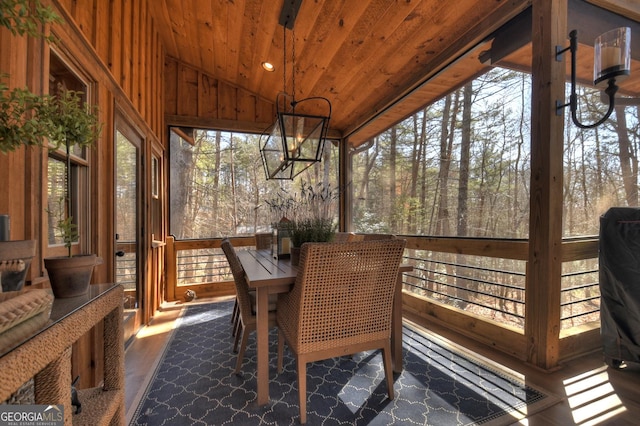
x=364, y=56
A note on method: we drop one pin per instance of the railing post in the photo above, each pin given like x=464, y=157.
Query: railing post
x=171, y=263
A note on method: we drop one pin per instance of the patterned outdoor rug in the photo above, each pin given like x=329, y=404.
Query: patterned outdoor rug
x=194, y=384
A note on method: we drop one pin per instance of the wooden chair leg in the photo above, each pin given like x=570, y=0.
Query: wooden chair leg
x=388, y=370
x=239, y=331
x=235, y=318
x=302, y=390
x=234, y=313
x=280, y=350
x=243, y=347
x=237, y=326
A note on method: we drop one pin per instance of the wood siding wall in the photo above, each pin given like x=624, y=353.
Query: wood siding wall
x=196, y=99
x=116, y=45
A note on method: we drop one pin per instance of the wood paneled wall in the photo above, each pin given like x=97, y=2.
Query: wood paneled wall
x=116, y=45
x=196, y=99
x=123, y=36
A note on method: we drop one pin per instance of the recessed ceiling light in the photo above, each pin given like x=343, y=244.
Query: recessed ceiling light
x=268, y=66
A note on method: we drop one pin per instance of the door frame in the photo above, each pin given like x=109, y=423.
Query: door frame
x=126, y=127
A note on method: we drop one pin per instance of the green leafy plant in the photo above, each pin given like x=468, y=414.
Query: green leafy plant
x=69, y=121
x=20, y=123
x=69, y=231
x=27, y=119
x=26, y=17
x=64, y=227
x=311, y=230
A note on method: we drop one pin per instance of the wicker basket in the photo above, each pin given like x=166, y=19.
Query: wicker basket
x=22, y=313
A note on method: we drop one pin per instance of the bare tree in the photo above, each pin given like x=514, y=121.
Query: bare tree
x=628, y=158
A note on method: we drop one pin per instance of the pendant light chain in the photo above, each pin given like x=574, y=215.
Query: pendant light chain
x=284, y=59
x=293, y=65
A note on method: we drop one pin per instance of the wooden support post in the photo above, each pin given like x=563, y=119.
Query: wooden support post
x=542, y=321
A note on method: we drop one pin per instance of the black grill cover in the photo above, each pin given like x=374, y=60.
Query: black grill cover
x=619, y=257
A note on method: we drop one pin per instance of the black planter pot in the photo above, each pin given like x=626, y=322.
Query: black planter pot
x=295, y=256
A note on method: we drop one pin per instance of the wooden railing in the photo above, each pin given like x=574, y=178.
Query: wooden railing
x=473, y=286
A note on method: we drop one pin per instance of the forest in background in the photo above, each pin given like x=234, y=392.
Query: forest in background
x=458, y=167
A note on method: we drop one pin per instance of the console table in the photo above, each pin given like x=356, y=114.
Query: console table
x=45, y=356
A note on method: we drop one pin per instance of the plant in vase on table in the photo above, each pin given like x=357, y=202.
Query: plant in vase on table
x=309, y=215
x=315, y=230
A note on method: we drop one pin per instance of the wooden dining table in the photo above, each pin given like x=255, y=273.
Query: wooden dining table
x=268, y=275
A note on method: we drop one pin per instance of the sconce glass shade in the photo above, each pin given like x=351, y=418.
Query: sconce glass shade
x=293, y=143
x=612, y=55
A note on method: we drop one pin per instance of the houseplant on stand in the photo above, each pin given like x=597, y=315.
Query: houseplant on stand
x=63, y=119
x=69, y=275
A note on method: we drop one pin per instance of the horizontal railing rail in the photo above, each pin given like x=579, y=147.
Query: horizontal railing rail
x=482, y=278
x=470, y=283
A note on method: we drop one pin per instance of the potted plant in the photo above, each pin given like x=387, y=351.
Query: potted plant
x=20, y=109
x=304, y=216
x=72, y=123
x=311, y=230
x=69, y=275
x=314, y=221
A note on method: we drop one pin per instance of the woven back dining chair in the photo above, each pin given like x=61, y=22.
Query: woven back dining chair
x=375, y=237
x=371, y=237
x=341, y=304
x=343, y=237
x=245, y=300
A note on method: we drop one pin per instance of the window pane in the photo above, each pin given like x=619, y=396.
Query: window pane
x=56, y=198
x=218, y=186
x=458, y=167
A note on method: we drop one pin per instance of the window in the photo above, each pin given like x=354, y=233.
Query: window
x=458, y=167
x=156, y=197
x=61, y=204
x=218, y=186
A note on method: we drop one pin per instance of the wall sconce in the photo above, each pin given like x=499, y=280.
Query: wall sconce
x=612, y=59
